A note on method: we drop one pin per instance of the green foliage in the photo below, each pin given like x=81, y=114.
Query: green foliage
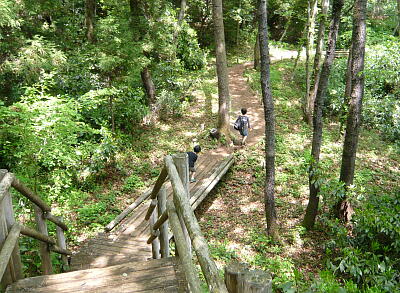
x=381, y=107
x=38, y=56
x=133, y=183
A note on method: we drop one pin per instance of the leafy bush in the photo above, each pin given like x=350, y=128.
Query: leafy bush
x=381, y=107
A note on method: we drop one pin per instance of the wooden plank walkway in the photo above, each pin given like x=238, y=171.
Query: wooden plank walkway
x=121, y=261
x=127, y=242
x=159, y=275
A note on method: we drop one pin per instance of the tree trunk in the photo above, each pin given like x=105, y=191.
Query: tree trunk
x=311, y=12
x=180, y=19
x=312, y=207
x=257, y=52
x=148, y=85
x=90, y=11
x=355, y=105
x=270, y=210
x=397, y=29
x=347, y=93
x=317, y=60
x=222, y=70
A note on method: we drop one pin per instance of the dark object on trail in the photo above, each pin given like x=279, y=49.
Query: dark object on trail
x=214, y=133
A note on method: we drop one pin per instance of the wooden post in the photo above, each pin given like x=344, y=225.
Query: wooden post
x=14, y=271
x=7, y=277
x=256, y=281
x=181, y=245
x=182, y=166
x=155, y=244
x=162, y=207
x=44, y=250
x=61, y=242
x=234, y=272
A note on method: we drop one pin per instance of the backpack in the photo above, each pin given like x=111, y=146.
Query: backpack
x=238, y=124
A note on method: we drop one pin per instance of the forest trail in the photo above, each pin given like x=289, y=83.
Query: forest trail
x=242, y=96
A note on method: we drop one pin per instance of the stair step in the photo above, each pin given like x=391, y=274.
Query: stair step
x=161, y=275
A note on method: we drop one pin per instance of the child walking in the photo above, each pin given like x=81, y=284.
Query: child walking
x=192, y=156
x=244, y=125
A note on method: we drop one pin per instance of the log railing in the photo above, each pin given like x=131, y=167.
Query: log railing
x=186, y=232
x=183, y=223
x=10, y=230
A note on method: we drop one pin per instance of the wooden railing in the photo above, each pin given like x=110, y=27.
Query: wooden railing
x=178, y=214
x=10, y=230
x=185, y=228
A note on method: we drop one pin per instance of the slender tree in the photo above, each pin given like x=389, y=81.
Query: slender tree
x=344, y=210
x=397, y=28
x=222, y=70
x=312, y=207
x=90, y=11
x=317, y=60
x=138, y=31
x=311, y=14
x=269, y=192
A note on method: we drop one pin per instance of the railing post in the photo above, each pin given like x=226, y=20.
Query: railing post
x=155, y=244
x=47, y=267
x=182, y=166
x=162, y=207
x=14, y=270
x=62, y=243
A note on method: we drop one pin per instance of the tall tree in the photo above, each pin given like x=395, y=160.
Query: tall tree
x=397, y=29
x=312, y=207
x=90, y=12
x=355, y=104
x=222, y=70
x=269, y=116
x=138, y=31
x=317, y=60
x=311, y=14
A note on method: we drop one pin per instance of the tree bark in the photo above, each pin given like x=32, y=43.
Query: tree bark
x=222, y=70
x=148, y=85
x=312, y=207
x=311, y=13
x=257, y=52
x=355, y=105
x=269, y=116
x=317, y=60
x=397, y=29
x=90, y=11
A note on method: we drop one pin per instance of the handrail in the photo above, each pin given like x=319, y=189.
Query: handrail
x=200, y=245
x=160, y=180
x=10, y=262
x=8, y=247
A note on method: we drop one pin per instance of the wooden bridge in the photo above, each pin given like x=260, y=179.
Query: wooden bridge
x=133, y=254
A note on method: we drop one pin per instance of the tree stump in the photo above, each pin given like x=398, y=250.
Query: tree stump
x=256, y=281
x=234, y=272
x=239, y=279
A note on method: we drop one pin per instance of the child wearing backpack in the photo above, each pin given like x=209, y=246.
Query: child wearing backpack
x=192, y=156
x=243, y=125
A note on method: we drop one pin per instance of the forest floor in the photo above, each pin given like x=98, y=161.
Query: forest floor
x=233, y=216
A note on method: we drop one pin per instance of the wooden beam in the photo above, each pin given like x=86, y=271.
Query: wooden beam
x=62, y=244
x=60, y=250
x=8, y=248
x=210, y=271
x=44, y=251
x=127, y=211
x=25, y=191
x=155, y=244
x=5, y=184
x=183, y=250
x=37, y=235
x=160, y=181
x=55, y=220
x=162, y=209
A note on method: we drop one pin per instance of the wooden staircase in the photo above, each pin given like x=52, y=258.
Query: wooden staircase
x=122, y=260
